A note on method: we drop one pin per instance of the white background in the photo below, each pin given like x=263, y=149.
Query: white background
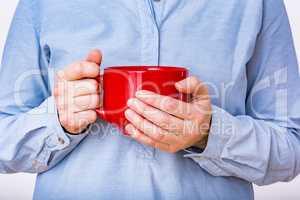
x=20, y=186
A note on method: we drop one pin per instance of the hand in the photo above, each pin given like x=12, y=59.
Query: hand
x=77, y=93
x=167, y=123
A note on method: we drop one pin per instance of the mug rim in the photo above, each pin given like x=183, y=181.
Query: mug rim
x=147, y=68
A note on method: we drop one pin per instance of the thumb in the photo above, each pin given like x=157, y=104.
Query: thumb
x=94, y=56
x=192, y=85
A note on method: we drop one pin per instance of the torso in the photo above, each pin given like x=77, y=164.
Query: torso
x=214, y=42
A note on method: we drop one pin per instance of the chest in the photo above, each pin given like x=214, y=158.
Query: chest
x=213, y=38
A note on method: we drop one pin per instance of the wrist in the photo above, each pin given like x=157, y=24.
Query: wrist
x=79, y=133
x=201, y=144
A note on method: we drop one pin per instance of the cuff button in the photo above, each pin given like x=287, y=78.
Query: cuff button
x=61, y=141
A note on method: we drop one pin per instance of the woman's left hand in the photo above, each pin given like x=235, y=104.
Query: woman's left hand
x=169, y=124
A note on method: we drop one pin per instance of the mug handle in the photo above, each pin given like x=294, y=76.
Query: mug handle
x=100, y=111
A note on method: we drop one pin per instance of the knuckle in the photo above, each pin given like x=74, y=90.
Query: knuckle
x=78, y=68
x=94, y=84
x=93, y=116
x=95, y=67
x=95, y=101
x=194, y=79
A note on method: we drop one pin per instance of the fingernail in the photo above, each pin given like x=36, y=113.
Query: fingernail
x=178, y=84
x=130, y=130
x=142, y=93
x=127, y=131
x=127, y=127
x=130, y=102
x=128, y=113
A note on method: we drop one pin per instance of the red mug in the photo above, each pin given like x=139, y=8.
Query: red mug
x=120, y=83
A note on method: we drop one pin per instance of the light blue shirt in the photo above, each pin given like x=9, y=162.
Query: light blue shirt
x=243, y=50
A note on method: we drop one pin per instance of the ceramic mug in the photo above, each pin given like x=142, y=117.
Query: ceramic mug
x=120, y=83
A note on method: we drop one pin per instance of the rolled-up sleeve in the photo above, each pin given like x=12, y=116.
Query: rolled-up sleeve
x=31, y=137
x=262, y=146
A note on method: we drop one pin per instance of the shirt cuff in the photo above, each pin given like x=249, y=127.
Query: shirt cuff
x=58, y=142
x=63, y=138
x=222, y=129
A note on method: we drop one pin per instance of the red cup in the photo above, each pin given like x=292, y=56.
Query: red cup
x=120, y=83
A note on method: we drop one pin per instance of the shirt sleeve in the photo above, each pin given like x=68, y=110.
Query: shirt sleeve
x=31, y=137
x=262, y=146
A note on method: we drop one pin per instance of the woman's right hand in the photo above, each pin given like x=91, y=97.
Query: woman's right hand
x=77, y=93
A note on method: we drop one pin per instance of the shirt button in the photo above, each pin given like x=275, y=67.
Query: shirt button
x=61, y=141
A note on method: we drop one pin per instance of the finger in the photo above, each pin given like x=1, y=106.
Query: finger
x=199, y=91
x=194, y=86
x=140, y=137
x=95, y=56
x=79, y=71
x=168, y=104
x=76, y=88
x=77, y=122
x=156, y=116
x=150, y=129
x=88, y=102
x=191, y=85
x=85, y=87
x=87, y=116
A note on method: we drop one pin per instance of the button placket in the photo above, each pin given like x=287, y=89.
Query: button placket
x=150, y=34
x=149, y=54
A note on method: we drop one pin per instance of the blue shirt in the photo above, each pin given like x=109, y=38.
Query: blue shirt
x=243, y=50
